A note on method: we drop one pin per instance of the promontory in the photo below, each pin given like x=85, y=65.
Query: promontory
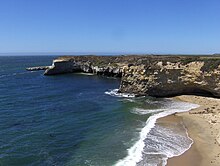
x=153, y=75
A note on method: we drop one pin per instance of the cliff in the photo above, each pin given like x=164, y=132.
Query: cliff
x=170, y=78
x=159, y=76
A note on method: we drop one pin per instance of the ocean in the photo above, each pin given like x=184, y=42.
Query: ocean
x=81, y=120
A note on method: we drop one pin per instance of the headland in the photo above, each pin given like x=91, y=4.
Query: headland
x=153, y=75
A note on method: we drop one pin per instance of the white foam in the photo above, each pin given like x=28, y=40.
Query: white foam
x=165, y=142
x=135, y=152
x=140, y=111
x=115, y=93
x=87, y=74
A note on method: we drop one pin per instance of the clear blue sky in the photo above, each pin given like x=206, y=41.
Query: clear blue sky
x=143, y=26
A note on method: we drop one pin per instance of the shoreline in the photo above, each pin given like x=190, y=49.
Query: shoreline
x=203, y=126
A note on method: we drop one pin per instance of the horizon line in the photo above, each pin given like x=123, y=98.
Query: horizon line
x=97, y=53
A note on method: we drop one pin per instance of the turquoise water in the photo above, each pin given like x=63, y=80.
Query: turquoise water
x=66, y=119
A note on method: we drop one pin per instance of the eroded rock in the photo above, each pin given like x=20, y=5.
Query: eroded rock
x=159, y=76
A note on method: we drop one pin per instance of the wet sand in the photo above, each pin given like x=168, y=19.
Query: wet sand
x=203, y=125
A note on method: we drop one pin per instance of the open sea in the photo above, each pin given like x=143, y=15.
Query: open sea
x=80, y=120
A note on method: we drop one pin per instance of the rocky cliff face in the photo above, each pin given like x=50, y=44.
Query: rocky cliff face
x=158, y=76
x=171, y=78
x=87, y=65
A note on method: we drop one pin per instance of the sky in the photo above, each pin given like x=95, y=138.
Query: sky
x=129, y=26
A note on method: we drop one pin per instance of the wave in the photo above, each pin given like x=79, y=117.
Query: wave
x=140, y=111
x=87, y=74
x=139, y=151
x=114, y=92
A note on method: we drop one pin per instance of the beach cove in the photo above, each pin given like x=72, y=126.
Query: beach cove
x=203, y=125
x=110, y=83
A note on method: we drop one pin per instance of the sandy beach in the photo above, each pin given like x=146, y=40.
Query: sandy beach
x=203, y=125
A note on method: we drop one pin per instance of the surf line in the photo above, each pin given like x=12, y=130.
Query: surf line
x=135, y=152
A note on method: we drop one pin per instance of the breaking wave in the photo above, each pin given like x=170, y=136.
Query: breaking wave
x=115, y=93
x=157, y=143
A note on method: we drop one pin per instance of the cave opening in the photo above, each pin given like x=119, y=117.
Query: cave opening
x=199, y=92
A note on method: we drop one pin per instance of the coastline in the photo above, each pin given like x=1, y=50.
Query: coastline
x=203, y=126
